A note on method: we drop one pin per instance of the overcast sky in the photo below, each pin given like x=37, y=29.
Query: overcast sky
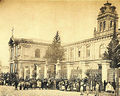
x=40, y=19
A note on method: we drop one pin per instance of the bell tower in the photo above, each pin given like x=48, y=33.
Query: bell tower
x=105, y=21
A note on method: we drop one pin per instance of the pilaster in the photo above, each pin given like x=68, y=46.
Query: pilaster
x=105, y=67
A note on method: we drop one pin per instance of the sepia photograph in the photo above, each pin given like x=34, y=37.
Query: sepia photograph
x=59, y=48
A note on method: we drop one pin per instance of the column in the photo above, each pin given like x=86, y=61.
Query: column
x=84, y=68
x=20, y=70
x=45, y=70
x=31, y=71
x=10, y=67
x=20, y=73
x=24, y=73
x=57, y=70
x=37, y=71
x=105, y=67
x=13, y=68
x=68, y=71
x=84, y=52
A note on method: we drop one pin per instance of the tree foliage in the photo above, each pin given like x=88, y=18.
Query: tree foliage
x=112, y=50
x=55, y=51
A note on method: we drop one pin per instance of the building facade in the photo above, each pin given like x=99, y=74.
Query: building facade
x=4, y=69
x=89, y=53
x=27, y=56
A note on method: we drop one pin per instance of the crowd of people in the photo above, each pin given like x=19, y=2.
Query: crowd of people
x=79, y=85
x=60, y=84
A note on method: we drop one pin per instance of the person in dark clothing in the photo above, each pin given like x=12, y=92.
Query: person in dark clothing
x=66, y=85
x=105, y=83
x=42, y=86
x=16, y=84
x=45, y=84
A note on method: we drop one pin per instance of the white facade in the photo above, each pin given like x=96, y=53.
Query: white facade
x=26, y=55
x=80, y=56
x=88, y=53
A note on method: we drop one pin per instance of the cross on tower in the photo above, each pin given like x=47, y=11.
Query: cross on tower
x=107, y=1
x=12, y=31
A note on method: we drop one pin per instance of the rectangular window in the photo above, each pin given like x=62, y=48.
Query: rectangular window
x=79, y=53
x=100, y=26
x=15, y=68
x=99, y=66
x=104, y=25
x=37, y=53
x=87, y=51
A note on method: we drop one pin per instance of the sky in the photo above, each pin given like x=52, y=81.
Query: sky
x=41, y=19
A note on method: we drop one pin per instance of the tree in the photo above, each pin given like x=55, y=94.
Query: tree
x=55, y=51
x=111, y=53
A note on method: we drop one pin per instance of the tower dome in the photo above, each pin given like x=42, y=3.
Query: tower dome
x=107, y=8
x=105, y=21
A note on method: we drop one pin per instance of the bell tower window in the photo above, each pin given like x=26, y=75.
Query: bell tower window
x=111, y=24
x=104, y=25
x=100, y=26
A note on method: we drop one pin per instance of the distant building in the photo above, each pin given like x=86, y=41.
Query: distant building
x=27, y=56
x=5, y=69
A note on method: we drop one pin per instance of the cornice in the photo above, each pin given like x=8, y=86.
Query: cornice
x=90, y=40
x=28, y=41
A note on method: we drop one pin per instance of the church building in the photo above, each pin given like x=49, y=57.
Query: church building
x=27, y=56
